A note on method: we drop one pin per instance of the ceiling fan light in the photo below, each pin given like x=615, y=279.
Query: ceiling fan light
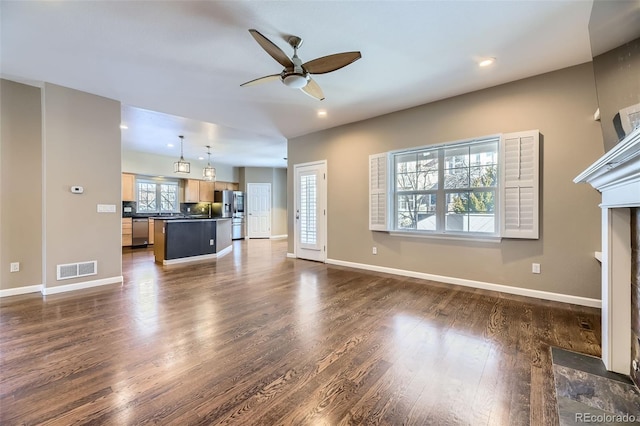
x=295, y=81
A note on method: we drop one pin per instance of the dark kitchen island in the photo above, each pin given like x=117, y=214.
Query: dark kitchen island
x=186, y=240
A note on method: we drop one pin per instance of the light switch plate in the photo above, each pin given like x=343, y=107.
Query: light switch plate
x=15, y=267
x=106, y=208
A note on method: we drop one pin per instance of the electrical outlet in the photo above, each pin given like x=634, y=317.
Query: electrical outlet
x=374, y=250
x=15, y=266
x=211, y=242
x=188, y=209
x=535, y=268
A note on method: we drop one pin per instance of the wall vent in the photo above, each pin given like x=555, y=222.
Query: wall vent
x=75, y=270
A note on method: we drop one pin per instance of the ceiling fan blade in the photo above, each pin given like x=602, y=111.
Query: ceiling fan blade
x=312, y=89
x=261, y=80
x=273, y=50
x=331, y=63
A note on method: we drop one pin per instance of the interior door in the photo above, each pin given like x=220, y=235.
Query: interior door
x=259, y=210
x=310, y=211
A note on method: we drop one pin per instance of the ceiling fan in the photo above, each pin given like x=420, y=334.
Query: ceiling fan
x=296, y=74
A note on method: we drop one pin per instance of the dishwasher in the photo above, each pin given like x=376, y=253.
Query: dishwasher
x=140, y=231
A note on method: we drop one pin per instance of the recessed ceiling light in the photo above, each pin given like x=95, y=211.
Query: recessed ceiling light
x=200, y=158
x=170, y=145
x=322, y=113
x=124, y=127
x=486, y=62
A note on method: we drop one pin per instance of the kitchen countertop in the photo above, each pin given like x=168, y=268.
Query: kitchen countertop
x=190, y=219
x=177, y=217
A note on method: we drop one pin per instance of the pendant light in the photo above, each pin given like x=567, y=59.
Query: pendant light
x=209, y=173
x=181, y=166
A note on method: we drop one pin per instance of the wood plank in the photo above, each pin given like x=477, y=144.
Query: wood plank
x=257, y=338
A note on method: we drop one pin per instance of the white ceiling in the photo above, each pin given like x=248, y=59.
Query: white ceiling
x=188, y=59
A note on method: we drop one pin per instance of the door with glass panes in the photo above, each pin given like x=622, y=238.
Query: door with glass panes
x=310, y=211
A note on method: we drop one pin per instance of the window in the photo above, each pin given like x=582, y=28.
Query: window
x=482, y=188
x=157, y=197
x=308, y=208
x=451, y=188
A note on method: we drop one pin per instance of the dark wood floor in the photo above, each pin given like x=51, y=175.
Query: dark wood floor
x=256, y=338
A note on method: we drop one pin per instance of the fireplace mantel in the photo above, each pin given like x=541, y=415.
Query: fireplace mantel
x=617, y=176
x=617, y=173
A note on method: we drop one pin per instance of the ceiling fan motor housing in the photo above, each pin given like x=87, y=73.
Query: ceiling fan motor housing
x=297, y=77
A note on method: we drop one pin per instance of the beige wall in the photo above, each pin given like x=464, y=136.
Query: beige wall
x=617, y=76
x=81, y=146
x=257, y=175
x=279, y=195
x=277, y=177
x=560, y=104
x=21, y=184
x=143, y=163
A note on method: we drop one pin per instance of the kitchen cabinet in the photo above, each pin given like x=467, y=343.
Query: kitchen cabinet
x=191, y=239
x=128, y=187
x=206, y=191
x=151, y=230
x=127, y=231
x=192, y=191
x=222, y=186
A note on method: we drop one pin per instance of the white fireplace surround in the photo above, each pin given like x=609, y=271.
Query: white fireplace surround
x=617, y=176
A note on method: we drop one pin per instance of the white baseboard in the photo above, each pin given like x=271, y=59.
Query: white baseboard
x=21, y=290
x=201, y=257
x=538, y=294
x=291, y=255
x=224, y=251
x=279, y=237
x=46, y=291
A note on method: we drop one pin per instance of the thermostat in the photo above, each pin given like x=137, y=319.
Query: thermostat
x=77, y=189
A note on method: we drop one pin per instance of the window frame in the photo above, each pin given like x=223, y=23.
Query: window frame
x=158, y=195
x=441, y=191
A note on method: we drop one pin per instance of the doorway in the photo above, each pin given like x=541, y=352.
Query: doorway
x=310, y=229
x=258, y=210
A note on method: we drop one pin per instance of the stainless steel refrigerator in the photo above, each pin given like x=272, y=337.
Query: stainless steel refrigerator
x=222, y=204
x=237, y=221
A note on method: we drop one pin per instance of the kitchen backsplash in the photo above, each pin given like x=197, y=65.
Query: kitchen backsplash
x=195, y=208
x=190, y=209
x=128, y=208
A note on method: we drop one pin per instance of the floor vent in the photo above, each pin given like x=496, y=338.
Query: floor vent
x=75, y=270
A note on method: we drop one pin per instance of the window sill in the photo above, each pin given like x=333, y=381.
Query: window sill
x=452, y=237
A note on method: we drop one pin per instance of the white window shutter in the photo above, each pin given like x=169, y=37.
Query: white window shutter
x=378, y=192
x=520, y=184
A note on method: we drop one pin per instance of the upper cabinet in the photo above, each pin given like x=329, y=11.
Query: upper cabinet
x=195, y=191
x=206, y=191
x=192, y=191
x=201, y=191
x=221, y=186
x=128, y=187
